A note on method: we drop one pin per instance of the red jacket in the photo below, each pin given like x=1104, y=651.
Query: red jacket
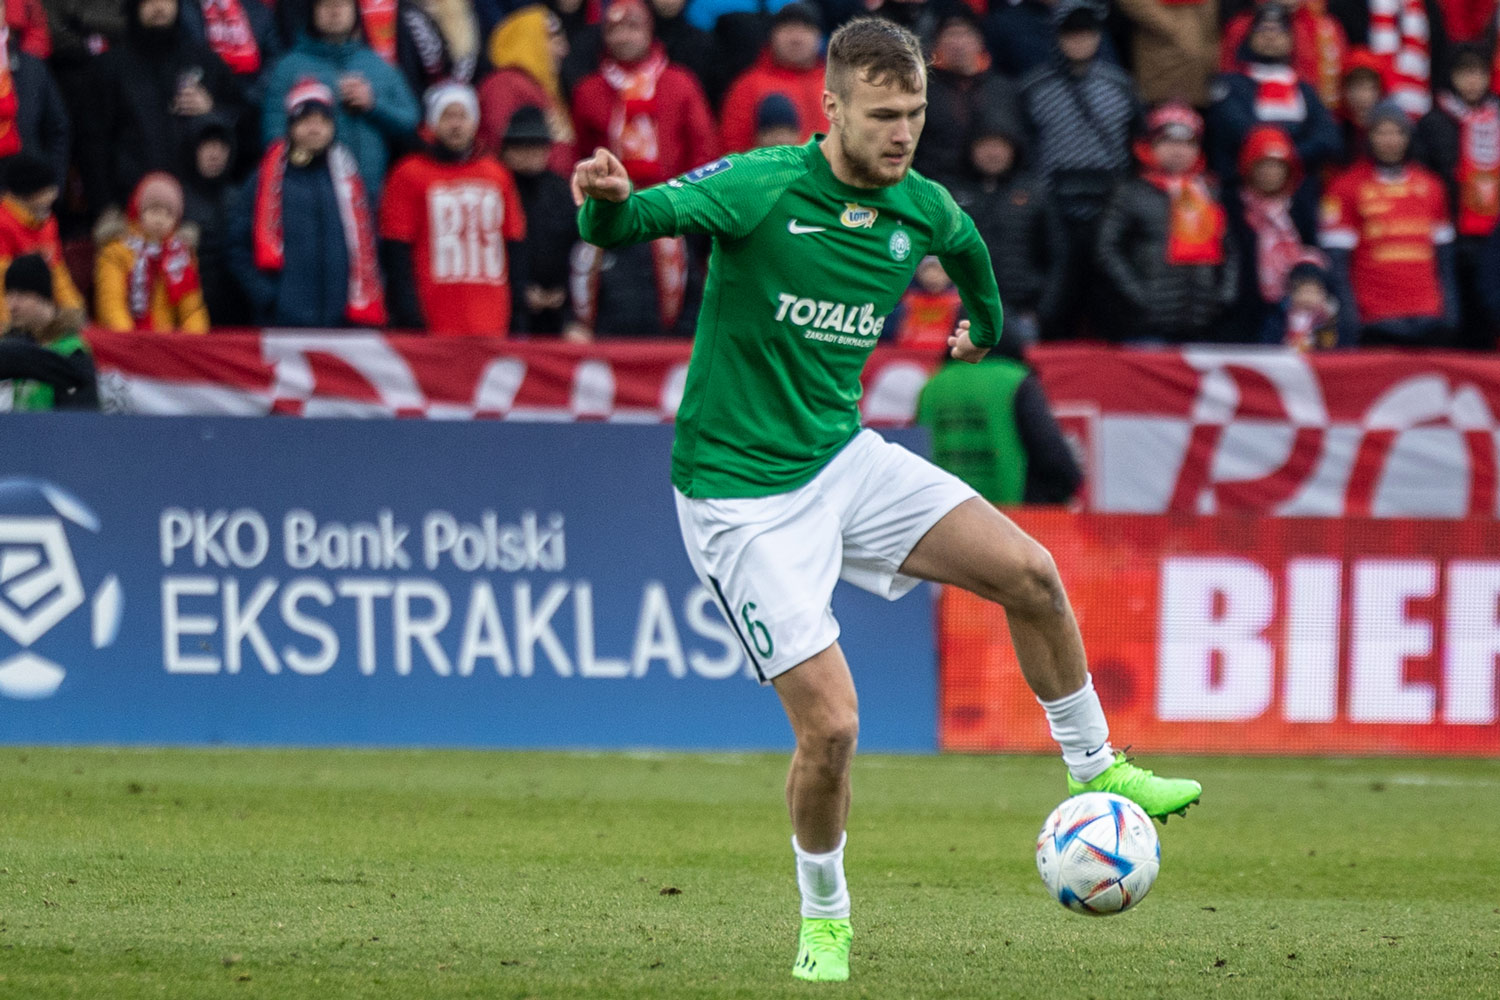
x=678, y=127
x=1391, y=229
x=457, y=218
x=803, y=87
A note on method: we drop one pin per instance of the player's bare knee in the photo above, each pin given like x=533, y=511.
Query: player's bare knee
x=1034, y=589
x=830, y=744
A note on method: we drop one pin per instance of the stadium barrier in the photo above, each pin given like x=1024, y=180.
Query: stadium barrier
x=1196, y=430
x=1298, y=563
x=396, y=582
x=1244, y=634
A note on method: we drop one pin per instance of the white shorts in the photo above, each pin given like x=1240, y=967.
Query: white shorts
x=772, y=562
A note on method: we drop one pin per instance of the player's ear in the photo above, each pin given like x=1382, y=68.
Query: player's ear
x=831, y=106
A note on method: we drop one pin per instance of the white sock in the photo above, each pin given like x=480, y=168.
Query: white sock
x=1079, y=727
x=821, y=879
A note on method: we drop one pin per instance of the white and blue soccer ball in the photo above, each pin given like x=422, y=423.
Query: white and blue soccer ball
x=1098, y=854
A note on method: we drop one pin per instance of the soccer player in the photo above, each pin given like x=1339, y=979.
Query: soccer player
x=779, y=491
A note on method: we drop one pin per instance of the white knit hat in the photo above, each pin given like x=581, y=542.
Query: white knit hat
x=440, y=95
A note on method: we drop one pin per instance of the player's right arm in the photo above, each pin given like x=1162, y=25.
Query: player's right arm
x=726, y=198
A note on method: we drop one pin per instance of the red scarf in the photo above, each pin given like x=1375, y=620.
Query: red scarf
x=1277, y=242
x=632, y=120
x=1277, y=96
x=1399, y=31
x=10, y=136
x=1478, y=172
x=1195, y=232
x=366, y=305
x=379, y=19
x=230, y=36
x=170, y=262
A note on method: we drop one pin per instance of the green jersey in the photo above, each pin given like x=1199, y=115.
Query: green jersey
x=803, y=272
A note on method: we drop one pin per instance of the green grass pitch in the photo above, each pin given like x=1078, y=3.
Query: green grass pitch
x=329, y=874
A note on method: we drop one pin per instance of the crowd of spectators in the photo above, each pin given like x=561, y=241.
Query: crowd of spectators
x=1311, y=172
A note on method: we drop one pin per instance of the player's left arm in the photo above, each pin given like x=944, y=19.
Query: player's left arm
x=964, y=256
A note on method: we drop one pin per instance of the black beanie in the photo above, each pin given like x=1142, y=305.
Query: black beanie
x=29, y=273
x=25, y=175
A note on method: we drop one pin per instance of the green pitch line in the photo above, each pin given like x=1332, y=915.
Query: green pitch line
x=328, y=874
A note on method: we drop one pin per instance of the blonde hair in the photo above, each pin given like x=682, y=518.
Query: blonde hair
x=878, y=50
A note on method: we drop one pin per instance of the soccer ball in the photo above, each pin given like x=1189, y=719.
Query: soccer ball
x=1098, y=854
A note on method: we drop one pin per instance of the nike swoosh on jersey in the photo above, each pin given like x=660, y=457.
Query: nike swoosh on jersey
x=797, y=229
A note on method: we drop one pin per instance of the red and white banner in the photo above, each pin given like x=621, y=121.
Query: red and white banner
x=1197, y=430
x=1243, y=634
x=316, y=373
x=1205, y=430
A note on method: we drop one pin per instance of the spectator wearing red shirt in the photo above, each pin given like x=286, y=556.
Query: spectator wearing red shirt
x=1319, y=47
x=449, y=225
x=1386, y=229
x=791, y=65
x=648, y=112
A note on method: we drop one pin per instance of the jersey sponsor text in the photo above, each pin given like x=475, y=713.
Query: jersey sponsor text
x=830, y=317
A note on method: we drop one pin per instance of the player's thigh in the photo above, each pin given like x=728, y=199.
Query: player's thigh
x=771, y=564
x=888, y=499
x=978, y=548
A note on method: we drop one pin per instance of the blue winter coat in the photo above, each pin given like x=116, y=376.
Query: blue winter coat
x=312, y=288
x=369, y=136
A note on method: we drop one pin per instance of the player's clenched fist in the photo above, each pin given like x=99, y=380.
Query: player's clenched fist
x=600, y=176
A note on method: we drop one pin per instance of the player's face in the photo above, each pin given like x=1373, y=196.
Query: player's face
x=877, y=128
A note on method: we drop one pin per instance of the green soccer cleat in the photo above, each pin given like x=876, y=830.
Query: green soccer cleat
x=823, y=950
x=1159, y=797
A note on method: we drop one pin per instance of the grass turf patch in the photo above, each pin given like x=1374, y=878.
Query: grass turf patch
x=374, y=874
